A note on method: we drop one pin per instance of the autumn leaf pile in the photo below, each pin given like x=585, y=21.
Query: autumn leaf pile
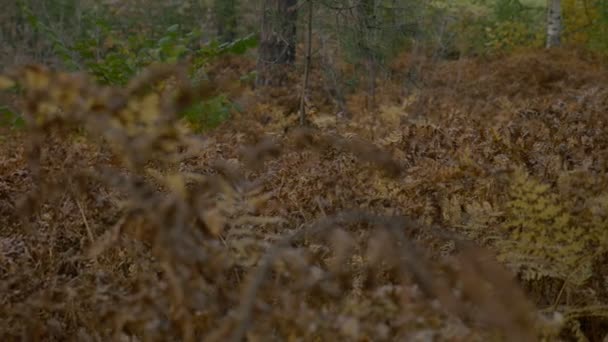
x=464, y=210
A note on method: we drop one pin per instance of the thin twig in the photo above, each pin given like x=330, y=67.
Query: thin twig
x=86, y=222
x=321, y=207
x=236, y=273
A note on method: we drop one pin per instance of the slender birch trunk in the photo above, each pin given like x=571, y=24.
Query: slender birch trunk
x=554, y=23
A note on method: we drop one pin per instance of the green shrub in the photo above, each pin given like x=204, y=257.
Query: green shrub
x=10, y=118
x=105, y=49
x=210, y=113
x=499, y=26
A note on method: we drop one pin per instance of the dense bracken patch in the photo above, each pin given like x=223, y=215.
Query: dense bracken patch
x=421, y=222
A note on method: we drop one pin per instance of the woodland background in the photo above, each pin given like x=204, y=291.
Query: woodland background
x=303, y=170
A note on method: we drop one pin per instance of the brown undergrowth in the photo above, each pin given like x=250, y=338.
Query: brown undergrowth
x=121, y=224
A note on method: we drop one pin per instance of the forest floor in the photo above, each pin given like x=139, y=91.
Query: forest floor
x=510, y=154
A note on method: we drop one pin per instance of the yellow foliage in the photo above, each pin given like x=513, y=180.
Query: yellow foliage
x=583, y=23
x=36, y=79
x=543, y=238
x=578, y=15
x=508, y=35
x=6, y=83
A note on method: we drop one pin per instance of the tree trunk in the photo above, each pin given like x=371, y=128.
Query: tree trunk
x=554, y=23
x=277, y=42
x=226, y=19
x=368, y=36
x=307, y=66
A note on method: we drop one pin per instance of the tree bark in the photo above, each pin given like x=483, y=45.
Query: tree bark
x=307, y=67
x=226, y=19
x=368, y=35
x=554, y=23
x=277, y=42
